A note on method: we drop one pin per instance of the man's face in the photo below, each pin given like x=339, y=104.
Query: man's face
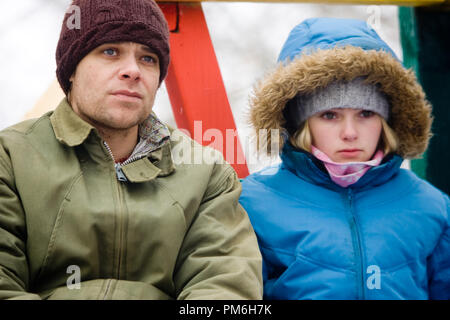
x=114, y=86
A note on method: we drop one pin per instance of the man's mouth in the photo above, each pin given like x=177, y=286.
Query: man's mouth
x=127, y=95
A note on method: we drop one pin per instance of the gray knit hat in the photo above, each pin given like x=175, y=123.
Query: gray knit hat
x=355, y=94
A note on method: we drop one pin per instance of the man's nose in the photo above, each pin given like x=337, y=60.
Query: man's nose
x=349, y=130
x=130, y=69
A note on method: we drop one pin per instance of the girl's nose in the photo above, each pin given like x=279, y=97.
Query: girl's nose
x=349, y=131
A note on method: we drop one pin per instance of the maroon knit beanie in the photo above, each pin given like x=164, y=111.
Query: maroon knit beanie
x=104, y=21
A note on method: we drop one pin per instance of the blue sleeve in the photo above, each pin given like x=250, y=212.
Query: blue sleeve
x=439, y=265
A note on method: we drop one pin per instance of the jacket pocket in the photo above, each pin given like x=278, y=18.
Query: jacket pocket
x=47, y=261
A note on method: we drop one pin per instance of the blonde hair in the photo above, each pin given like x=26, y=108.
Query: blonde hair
x=302, y=138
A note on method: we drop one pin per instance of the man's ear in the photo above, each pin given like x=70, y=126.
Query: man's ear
x=69, y=91
x=72, y=77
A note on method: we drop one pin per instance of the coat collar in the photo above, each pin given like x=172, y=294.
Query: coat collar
x=69, y=128
x=306, y=166
x=73, y=131
x=410, y=113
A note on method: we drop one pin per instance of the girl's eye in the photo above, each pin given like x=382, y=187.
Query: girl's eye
x=367, y=113
x=110, y=52
x=328, y=115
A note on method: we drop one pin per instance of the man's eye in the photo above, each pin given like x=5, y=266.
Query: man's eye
x=110, y=52
x=149, y=59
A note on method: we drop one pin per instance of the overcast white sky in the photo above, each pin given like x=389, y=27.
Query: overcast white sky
x=247, y=38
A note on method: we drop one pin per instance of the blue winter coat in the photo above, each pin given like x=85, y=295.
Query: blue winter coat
x=385, y=237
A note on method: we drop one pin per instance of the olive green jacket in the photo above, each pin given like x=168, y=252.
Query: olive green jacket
x=172, y=231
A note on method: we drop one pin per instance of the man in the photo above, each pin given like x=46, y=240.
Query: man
x=92, y=206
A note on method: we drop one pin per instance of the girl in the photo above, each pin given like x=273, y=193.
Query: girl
x=339, y=218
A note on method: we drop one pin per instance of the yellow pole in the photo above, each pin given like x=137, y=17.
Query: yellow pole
x=362, y=2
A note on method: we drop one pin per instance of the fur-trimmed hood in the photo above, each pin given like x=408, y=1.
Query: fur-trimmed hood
x=323, y=50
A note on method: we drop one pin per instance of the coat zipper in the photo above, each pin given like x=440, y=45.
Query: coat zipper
x=121, y=229
x=358, y=247
x=118, y=166
x=120, y=209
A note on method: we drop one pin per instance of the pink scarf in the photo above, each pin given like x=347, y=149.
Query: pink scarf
x=345, y=174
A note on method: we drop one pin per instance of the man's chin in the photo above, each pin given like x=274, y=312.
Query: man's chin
x=117, y=124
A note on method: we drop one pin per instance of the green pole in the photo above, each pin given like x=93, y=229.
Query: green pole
x=410, y=45
x=424, y=35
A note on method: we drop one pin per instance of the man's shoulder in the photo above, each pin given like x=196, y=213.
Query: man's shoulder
x=187, y=151
x=201, y=167
x=27, y=137
x=27, y=127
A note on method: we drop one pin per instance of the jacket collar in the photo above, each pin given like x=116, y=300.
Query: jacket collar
x=73, y=131
x=306, y=166
x=69, y=128
x=158, y=164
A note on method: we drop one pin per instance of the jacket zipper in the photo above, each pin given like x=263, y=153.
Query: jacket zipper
x=121, y=229
x=120, y=209
x=118, y=166
x=357, y=244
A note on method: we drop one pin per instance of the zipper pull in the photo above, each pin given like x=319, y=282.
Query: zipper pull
x=119, y=173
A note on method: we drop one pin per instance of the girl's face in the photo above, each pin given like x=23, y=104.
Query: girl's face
x=346, y=135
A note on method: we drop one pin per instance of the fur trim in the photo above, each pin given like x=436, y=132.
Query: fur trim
x=410, y=114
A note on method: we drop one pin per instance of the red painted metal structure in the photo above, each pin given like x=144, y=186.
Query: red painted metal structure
x=195, y=85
